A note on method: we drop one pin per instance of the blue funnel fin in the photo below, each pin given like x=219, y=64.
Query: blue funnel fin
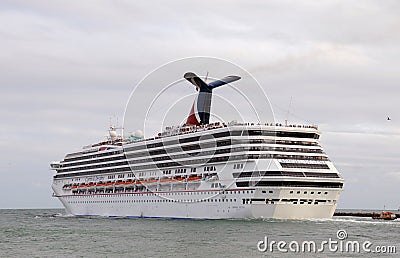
x=223, y=81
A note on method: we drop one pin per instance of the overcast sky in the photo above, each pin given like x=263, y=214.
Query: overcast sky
x=67, y=66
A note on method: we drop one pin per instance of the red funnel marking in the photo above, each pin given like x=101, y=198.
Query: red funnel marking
x=192, y=120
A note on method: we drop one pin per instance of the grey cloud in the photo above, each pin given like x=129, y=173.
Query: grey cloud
x=66, y=66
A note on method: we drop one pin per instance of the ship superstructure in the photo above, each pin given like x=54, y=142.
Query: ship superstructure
x=203, y=170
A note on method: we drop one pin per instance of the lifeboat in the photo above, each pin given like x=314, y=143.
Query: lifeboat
x=150, y=181
x=67, y=187
x=165, y=180
x=194, y=178
x=138, y=182
x=91, y=185
x=83, y=185
x=119, y=183
x=100, y=184
x=178, y=179
x=109, y=184
x=129, y=184
x=74, y=186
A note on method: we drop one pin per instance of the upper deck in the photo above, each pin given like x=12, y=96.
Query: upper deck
x=187, y=129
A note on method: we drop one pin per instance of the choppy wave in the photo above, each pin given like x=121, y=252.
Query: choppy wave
x=52, y=233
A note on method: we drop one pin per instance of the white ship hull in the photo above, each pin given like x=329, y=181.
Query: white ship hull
x=241, y=204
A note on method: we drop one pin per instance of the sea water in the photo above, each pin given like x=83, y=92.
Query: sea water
x=51, y=233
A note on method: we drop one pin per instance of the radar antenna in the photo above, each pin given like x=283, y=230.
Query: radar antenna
x=288, y=111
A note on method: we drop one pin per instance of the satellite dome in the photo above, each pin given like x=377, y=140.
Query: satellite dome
x=113, y=134
x=139, y=133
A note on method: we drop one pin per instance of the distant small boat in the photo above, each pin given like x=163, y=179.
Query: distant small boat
x=384, y=215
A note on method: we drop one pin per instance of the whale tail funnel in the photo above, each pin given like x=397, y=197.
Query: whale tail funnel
x=200, y=112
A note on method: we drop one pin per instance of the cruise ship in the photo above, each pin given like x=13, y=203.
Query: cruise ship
x=202, y=170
